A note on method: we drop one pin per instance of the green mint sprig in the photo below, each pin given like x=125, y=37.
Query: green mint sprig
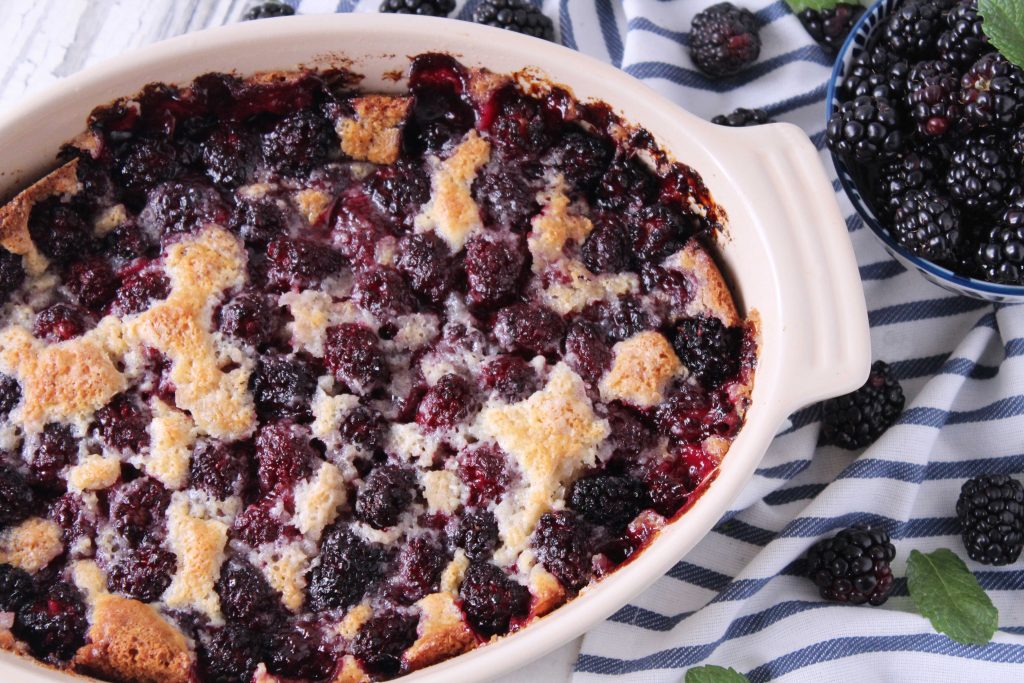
x=1003, y=23
x=946, y=592
x=714, y=674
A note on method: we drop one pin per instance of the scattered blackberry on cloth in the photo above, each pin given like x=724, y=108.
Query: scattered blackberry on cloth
x=724, y=40
x=964, y=41
x=515, y=15
x=980, y=175
x=741, y=118
x=1001, y=255
x=829, y=27
x=927, y=223
x=431, y=8
x=268, y=10
x=853, y=566
x=991, y=514
x=866, y=129
x=857, y=419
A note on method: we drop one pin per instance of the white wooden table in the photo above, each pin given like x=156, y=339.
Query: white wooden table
x=42, y=41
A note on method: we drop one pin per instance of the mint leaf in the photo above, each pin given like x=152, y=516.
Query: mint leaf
x=944, y=590
x=798, y=6
x=714, y=674
x=1003, y=23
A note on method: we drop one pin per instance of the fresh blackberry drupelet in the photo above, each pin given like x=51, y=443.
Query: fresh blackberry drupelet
x=431, y=8
x=927, y=223
x=980, y=175
x=993, y=92
x=878, y=72
x=724, y=40
x=857, y=419
x=910, y=171
x=964, y=41
x=268, y=10
x=830, y=27
x=991, y=514
x=913, y=29
x=866, y=129
x=515, y=15
x=1000, y=256
x=853, y=566
x=741, y=118
x=932, y=90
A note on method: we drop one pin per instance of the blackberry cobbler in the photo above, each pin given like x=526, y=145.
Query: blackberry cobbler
x=301, y=383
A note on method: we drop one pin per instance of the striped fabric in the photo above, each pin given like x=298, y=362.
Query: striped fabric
x=737, y=599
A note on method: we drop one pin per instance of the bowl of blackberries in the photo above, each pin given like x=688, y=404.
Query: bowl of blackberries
x=926, y=128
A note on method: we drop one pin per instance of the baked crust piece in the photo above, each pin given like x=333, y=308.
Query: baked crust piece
x=130, y=643
x=442, y=632
x=14, y=235
x=642, y=367
x=374, y=134
x=712, y=293
x=31, y=545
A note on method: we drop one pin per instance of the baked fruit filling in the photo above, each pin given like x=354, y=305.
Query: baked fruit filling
x=303, y=383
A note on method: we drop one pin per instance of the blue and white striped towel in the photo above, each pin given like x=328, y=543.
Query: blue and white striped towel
x=735, y=599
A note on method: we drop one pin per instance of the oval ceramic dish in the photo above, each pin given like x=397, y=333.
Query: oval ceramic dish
x=786, y=249
x=943, y=277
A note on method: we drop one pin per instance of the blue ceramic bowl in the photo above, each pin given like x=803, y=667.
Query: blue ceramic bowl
x=943, y=277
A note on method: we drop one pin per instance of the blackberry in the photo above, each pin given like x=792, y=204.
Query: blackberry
x=17, y=588
x=910, y=171
x=385, y=495
x=830, y=27
x=992, y=92
x=515, y=15
x=932, y=90
x=1000, y=256
x=724, y=40
x=866, y=129
x=853, y=566
x=857, y=419
x=741, y=118
x=964, y=41
x=1017, y=144
x=608, y=500
x=709, y=349
x=491, y=599
x=980, y=175
x=430, y=8
x=12, y=274
x=561, y=542
x=913, y=29
x=477, y=534
x=927, y=223
x=991, y=514
x=380, y=642
x=878, y=72
x=348, y=567
x=16, y=497
x=268, y=10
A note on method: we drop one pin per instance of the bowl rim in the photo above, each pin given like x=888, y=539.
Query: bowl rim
x=864, y=210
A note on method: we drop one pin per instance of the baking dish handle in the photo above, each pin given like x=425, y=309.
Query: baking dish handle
x=826, y=344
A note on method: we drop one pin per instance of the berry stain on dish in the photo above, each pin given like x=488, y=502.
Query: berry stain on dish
x=362, y=381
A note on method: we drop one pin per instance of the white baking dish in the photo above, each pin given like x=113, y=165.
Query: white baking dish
x=786, y=250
